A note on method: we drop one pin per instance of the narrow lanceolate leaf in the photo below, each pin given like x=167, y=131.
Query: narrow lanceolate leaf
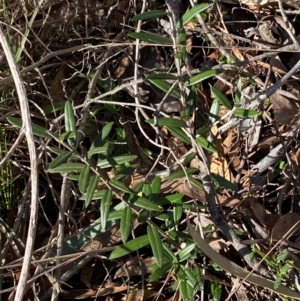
x=156, y=244
x=156, y=184
x=147, y=189
x=161, y=76
x=105, y=208
x=146, y=204
x=191, y=13
x=91, y=189
x=126, y=223
x=165, y=87
x=168, y=122
x=149, y=15
x=245, y=113
x=160, y=271
x=185, y=253
x=202, y=76
x=221, y=97
x=203, y=142
x=213, y=112
x=67, y=168
x=84, y=179
x=36, y=129
x=177, y=210
x=98, y=195
x=120, y=185
x=150, y=38
x=130, y=247
x=70, y=123
x=181, y=173
x=180, y=134
x=117, y=160
x=60, y=159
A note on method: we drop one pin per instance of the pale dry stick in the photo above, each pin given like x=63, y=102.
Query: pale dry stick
x=25, y=112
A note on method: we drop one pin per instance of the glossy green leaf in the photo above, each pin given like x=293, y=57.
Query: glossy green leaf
x=224, y=182
x=184, y=290
x=185, y=253
x=202, y=76
x=156, y=185
x=143, y=216
x=205, y=129
x=84, y=178
x=195, y=182
x=60, y=159
x=98, y=150
x=216, y=290
x=91, y=190
x=59, y=151
x=150, y=38
x=239, y=112
x=168, y=122
x=165, y=87
x=67, y=135
x=156, y=244
x=114, y=161
x=168, y=254
x=179, y=133
x=105, y=208
x=177, y=211
x=147, y=190
x=203, y=142
x=221, y=97
x=214, y=111
x=149, y=15
x=126, y=223
x=67, y=168
x=192, y=280
x=181, y=173
x=146, y=204
x=191, y=13
x=100, y=140
x=36, y=129
x=97, y=195
x=70, y=123
x=161, y=76
x=130, y=247
x=121, y=186
x=160, y=271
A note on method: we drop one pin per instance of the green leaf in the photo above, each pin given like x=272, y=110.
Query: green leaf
x=156, y=244
x=283, y=255
x=213, y=112
x=239, y=112
x=67, y=168
x=70, y=123
x=168, y=122
x=202, y=76
x=36, y=129
x=156, y=185
x=161, y=76
x=165, y=87
x=114, y=161
x=98, y=195
x=105, y=208
x=150, y=15
x=126, y=223
x=277, y=282
x=181, y=173
x=184, y=290
x=238, y=92
x=216, y=291
x=192, y=280
x=221, y=97
x=179, y=133
x=191, y=13
x=160, y=271
x=224, y=182
x=146, y=204
x=150, y=38
x=130, y=247
x=203, y=142
x=177, y=211
x=62, y=158
x=53, y=107
x=91, y=190
x=84, y=178
x=121, y=186
x=98, y=146
x=67, y=135
x=185, y=253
